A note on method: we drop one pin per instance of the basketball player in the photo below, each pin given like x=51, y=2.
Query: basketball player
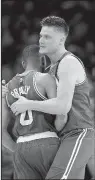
x=37, y=141
x=77, y=136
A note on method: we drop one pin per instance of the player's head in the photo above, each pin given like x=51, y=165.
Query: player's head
x=30, y=57
x=53, y=34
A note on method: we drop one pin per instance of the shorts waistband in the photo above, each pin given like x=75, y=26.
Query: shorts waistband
x=90, y=129
x=75, y=131
x=32, y=137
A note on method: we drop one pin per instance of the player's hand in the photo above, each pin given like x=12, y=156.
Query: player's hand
x=4, y=91
x=20, y=106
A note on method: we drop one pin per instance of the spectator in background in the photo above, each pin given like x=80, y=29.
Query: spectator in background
x=7, y=72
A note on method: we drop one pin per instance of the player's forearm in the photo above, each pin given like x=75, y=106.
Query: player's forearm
x=60, y=122
x=7, y=141
x=51, y=106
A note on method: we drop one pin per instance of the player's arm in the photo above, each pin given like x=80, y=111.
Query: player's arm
x=51, y=91
x=50, y=86
x=6, y=138
x=62, y=103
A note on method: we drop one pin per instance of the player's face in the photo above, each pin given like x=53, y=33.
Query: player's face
x=49, y=40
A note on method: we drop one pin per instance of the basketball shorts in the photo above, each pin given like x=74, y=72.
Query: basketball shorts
x=33, y=159
x=77, y=150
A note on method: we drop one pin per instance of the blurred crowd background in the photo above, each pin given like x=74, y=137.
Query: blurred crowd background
x=21, y=26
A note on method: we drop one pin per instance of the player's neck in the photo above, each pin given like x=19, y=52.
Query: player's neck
x=30, y=68
x=57, y=55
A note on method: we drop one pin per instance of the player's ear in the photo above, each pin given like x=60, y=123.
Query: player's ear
x=24, y=64
x=62, y=39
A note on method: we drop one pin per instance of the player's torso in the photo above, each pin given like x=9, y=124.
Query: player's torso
x=80, y=114
x=29, y=122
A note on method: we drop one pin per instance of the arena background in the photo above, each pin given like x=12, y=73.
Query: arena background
x=21, y=26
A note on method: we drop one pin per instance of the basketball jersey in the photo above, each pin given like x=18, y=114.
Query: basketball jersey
x=29, y=122
x=79, y=115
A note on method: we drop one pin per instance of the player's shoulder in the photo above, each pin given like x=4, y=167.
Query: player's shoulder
x=44, y=78
x=71, y=61
x=11, y=81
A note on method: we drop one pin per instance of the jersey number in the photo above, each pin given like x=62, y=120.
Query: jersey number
x=24, y=122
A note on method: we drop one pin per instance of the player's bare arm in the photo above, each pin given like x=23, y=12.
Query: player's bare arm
x=50, y=87
x=6, y=117
x=68, y=73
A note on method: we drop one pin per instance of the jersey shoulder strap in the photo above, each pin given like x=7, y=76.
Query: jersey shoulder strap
x=64, y=55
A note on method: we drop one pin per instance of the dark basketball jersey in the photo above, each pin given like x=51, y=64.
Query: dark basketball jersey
x=29, y=122
x=80, y=114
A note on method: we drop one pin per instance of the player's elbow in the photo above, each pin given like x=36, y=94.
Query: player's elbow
x=63, y=108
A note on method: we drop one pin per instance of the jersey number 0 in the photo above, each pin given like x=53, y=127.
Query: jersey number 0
x=24, y=122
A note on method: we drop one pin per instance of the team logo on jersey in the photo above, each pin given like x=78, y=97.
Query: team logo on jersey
x=20, y=91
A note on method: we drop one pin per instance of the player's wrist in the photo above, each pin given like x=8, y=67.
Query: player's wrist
x=30, y=104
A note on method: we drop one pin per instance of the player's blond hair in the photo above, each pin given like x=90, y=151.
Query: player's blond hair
x=57, y=22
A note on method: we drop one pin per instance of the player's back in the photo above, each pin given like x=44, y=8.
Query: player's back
x=29, y=122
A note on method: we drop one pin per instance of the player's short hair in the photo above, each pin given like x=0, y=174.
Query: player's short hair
x=57, y=22
x=29, y=51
